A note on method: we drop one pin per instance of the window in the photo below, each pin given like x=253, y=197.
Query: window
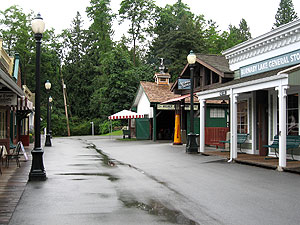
x=3, y=123
x=217, y=113
x=292, y=115
x=292, y=118
x=242, y=118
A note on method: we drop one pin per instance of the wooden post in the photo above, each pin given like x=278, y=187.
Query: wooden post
x=65, y=101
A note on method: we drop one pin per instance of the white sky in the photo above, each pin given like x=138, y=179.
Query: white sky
x=259, y=14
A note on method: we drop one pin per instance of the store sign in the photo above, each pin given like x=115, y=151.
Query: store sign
x=184, y=84
x=8, y=99
x=277, y=62
x=188, y=107
x=165, y=107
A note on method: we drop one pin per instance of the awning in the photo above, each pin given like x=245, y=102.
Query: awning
x=6, y=80
x=125, y=114
x=23, y=104
x=177, y=99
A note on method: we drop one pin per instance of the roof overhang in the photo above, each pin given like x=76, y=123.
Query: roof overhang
x=10, y=83
x=249, y=86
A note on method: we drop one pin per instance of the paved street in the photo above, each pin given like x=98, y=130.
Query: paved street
x=96, y=180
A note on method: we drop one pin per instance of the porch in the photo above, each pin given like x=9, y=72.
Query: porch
x=255, y=160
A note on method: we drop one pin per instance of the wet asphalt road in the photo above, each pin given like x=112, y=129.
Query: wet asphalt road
x=93, y=180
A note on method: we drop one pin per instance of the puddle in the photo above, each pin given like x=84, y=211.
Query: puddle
x=158, y=209
x=218, y=161
x=108, y=162
x=109, y=176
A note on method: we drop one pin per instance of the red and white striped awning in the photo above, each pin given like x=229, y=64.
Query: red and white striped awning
x=125, y=114
x=22, y=105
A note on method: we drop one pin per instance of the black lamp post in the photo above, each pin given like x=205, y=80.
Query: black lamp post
x=50, y=102
x=191, y=146
x=48, y=137
x=37, y=172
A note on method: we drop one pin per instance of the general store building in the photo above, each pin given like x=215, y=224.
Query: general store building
x=263, y=94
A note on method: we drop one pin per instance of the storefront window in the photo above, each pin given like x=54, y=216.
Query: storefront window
x=242, y=117
x=217, y=113
x=3, y=122
x=292, y=115
x=292, y=124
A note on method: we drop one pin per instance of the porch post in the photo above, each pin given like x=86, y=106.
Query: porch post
x=233, y=125
x=154, y=123
x=202, y=125
x=253, y=133
x=282, y=125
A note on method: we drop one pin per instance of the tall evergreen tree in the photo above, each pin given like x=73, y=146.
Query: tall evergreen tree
x=100, y=31
x=177, y=30
x=285, y=13
x=139, y=14
x=236, y=35
x=74, y=73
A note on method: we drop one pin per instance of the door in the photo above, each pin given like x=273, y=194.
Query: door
x=143, y=129
x=262, y=121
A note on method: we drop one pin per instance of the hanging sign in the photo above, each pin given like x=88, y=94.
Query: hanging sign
x=184, y=84
x=165, y=107
x=277, y=62
x=8, y=99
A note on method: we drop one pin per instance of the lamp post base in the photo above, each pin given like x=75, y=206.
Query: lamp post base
x=48, y=140
x=37, y=172
x=191, y=146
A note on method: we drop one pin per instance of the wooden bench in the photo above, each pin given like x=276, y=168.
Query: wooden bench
x=241, y=139
x=292, y=142
x=126, y=132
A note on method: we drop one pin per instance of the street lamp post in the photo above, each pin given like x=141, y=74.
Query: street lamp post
x=50, y=102
x=48, y=137
x=191, y=146
x=37, y=171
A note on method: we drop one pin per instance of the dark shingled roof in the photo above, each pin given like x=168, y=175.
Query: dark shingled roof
x=219, y=62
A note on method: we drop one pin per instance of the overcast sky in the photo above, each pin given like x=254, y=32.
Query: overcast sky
x=259, y=14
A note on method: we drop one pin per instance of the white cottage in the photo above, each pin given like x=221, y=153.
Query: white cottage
x=264, y=95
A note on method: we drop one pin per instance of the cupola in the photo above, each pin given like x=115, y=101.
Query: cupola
x=162, y=77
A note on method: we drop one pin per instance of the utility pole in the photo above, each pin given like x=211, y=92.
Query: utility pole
x=65, y=101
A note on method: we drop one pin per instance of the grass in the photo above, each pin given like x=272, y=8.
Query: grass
x=119, y=133
x=114, y=133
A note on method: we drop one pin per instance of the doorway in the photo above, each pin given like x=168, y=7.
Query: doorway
x=262, y=121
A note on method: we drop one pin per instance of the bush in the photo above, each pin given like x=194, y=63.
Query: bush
x=104, y=127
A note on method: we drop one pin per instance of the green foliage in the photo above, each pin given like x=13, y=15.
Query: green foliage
x=102, y=76
x=139, y=13
x=285, y=13
x=236, y=35
x=105, y=127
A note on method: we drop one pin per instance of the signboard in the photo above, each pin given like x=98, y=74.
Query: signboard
x=188, y=107
x=8, y=99
x=184, y=84
x=165, y=107
x=277, y=62
x=24, y=152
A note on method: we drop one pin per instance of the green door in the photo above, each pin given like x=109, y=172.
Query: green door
x=143, y=129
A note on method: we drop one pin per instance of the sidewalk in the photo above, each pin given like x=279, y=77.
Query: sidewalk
x=12, y=185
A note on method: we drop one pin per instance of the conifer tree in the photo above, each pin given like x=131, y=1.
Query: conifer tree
x=285, y=13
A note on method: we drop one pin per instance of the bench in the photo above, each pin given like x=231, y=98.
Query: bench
x=241, y=139
x=292, y=142
x=126, y=132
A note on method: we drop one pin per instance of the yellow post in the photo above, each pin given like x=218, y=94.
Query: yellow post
x=177, y=133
